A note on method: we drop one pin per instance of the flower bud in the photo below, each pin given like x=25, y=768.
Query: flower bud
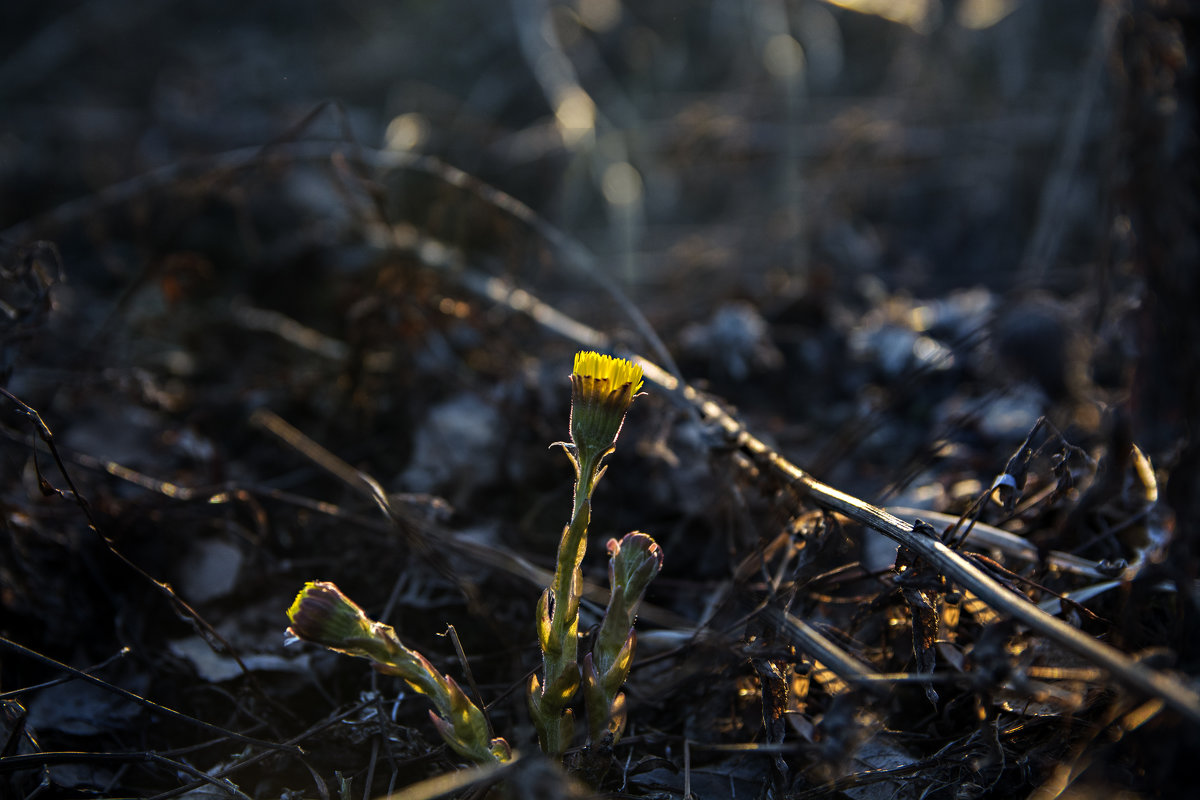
x=323, y=615
x=602, y=389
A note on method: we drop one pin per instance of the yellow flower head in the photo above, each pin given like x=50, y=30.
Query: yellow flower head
x=618, y=371
x=602, y=388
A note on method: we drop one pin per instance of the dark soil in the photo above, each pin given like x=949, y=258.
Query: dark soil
x=239, y=268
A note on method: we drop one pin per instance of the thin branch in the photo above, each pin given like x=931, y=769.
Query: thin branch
x=254, y=759
x=821, y=648
x=34, y=760
x=150, y=704
x=208, y=632
x=124, y=651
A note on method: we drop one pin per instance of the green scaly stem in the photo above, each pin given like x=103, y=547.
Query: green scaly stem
x=560, y=651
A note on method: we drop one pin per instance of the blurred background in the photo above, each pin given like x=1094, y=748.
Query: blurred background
x=745, y=148
x=783, y=188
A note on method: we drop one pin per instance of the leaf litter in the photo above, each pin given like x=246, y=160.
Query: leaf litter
x=406, y=326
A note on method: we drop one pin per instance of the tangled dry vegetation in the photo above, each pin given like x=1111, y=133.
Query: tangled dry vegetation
x=947, y=269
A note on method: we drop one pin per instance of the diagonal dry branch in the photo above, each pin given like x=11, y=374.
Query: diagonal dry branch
x=1125, y=670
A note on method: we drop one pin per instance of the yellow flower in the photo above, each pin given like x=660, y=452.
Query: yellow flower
x=602, y=388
